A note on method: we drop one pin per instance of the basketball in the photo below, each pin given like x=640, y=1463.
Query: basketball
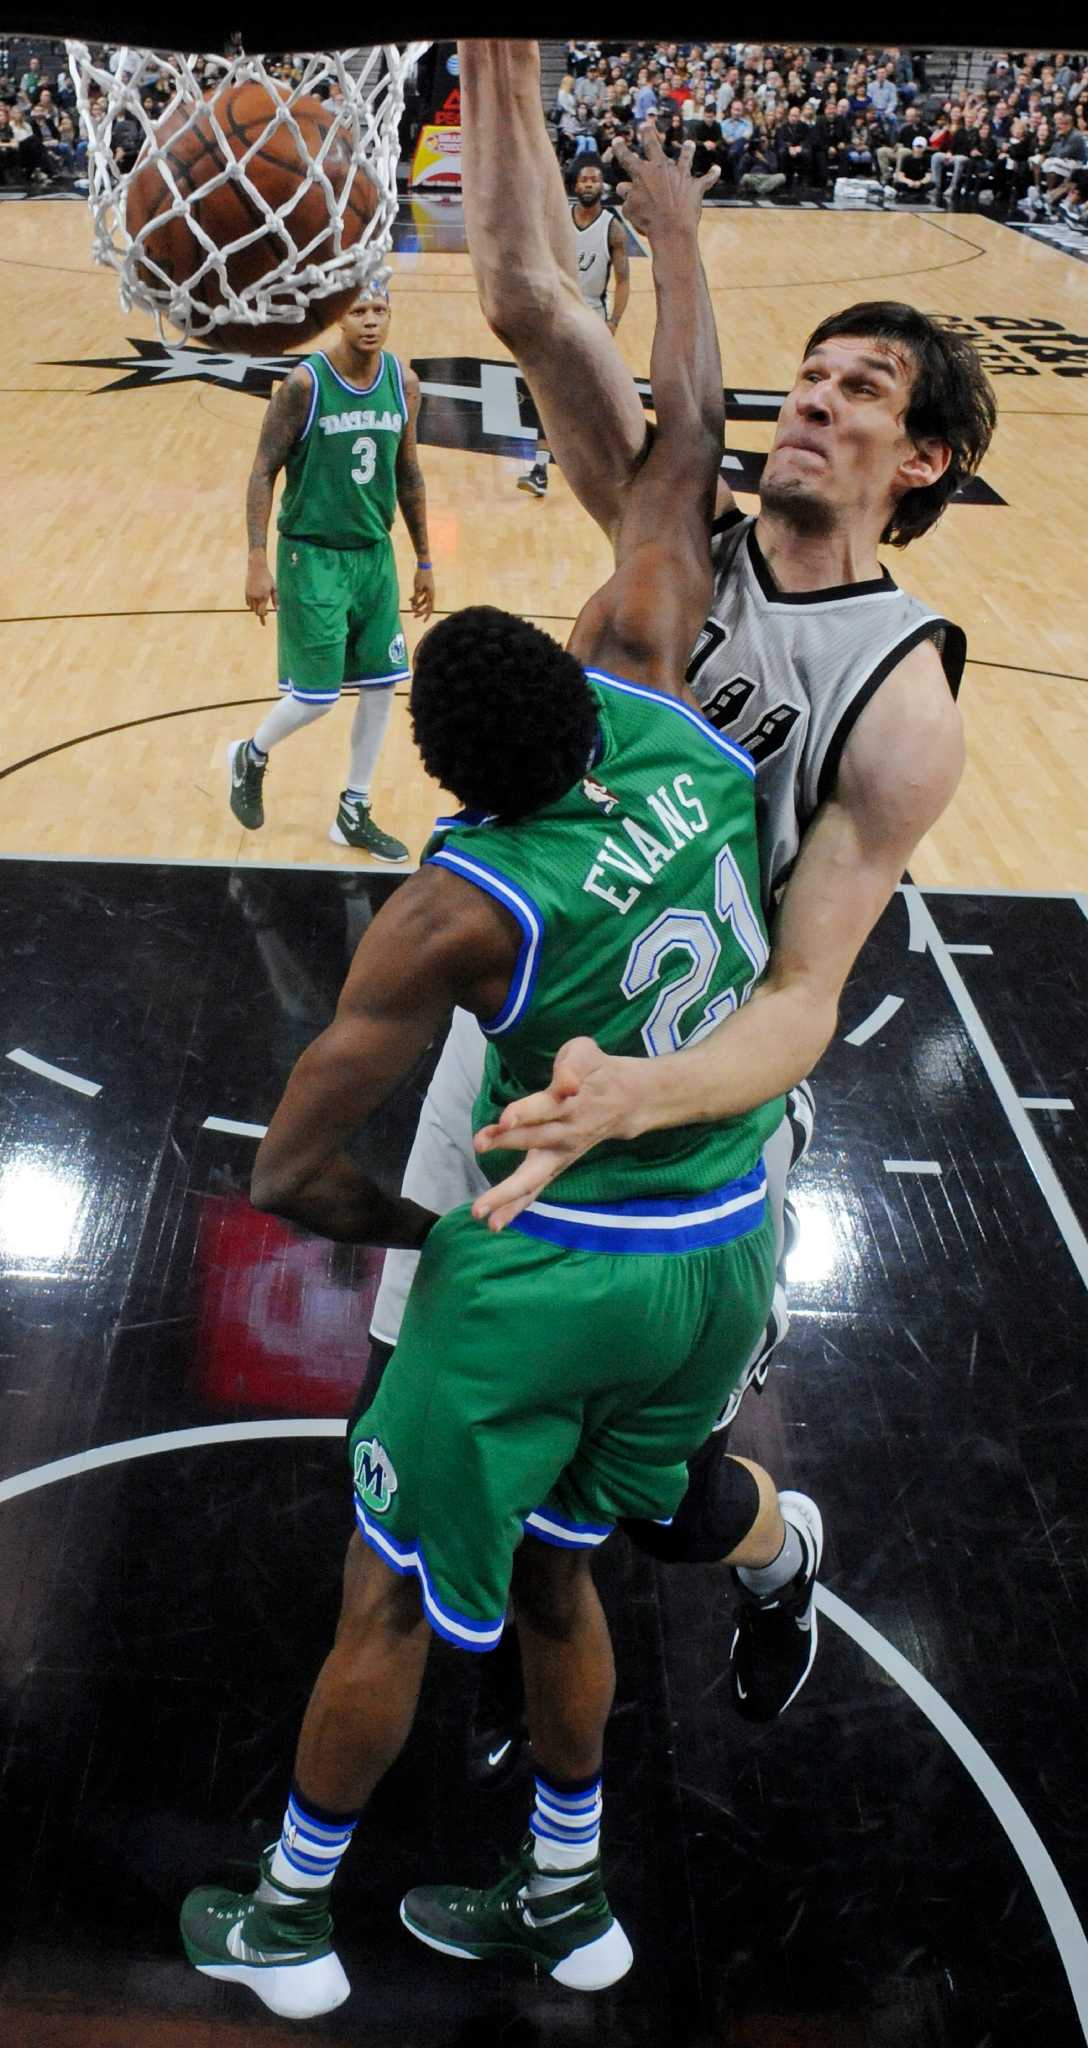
x=279, y=171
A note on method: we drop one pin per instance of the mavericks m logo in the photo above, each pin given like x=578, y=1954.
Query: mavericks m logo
x=375, y=1479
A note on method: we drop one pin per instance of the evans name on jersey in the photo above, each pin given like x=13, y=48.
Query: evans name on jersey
x=653, y=853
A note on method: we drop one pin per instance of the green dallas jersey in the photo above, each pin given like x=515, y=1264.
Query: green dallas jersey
x=638, y=895
x=341, y=487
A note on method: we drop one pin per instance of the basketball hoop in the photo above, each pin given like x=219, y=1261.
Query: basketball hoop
x=305, y=250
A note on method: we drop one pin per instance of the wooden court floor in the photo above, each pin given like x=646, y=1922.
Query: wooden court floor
x=130, y=659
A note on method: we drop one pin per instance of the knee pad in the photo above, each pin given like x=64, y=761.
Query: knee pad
x=716, y=1513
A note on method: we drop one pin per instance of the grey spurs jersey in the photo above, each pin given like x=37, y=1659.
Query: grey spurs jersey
x=788, y=675
x=594, y=260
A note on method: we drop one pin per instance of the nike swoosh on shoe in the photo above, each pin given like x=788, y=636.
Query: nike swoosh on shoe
x=243, y=1953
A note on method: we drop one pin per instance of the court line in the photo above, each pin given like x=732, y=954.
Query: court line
x=1036, y=1860
x=1035, y=895
x=1060, y=675
x=59, y=269
x=165, y=1440
x=239, y=866
x=103, y=732
x=232, y=611
x=924, y=927
x=913, y=1166
x=874, y=1022
x=34, y=1065
x=1039, y=1866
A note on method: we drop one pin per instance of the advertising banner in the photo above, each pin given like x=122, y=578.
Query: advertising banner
x=437, y=158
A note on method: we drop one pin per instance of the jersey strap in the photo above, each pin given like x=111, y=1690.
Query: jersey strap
x=953, y=656
x=529, y=917
x=693, y=1224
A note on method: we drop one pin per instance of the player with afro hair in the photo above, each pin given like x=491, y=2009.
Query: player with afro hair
x=502, y=714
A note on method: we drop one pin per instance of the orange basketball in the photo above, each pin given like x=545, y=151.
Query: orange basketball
x=278, y=171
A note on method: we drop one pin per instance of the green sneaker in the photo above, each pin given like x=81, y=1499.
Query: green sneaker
x=570, y=1933
x=246, y=785
x=282, y=1952
x=355, y=827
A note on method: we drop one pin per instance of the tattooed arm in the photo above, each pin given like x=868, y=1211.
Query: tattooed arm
x=283, y=423
x=412, y=499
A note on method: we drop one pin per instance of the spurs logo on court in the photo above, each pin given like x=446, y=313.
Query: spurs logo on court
x=481, y=407
x=375, y=1479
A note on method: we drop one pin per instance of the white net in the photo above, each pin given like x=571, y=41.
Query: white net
x=174, y=128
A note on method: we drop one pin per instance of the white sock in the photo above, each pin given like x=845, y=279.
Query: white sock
x=565, y=1826
x=367, y=733
x=770, y=1578
x=286, y=717
x=309, y=1851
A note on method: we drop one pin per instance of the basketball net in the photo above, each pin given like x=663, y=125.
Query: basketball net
x=365, y=116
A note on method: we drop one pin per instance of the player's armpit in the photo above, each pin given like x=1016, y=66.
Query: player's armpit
x=640, y=623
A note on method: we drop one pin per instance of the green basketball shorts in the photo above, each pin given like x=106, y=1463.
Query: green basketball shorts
x=338, y=619
x=540, y=1390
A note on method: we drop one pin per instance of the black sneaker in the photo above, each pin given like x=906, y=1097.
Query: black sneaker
x=281, y=1949
x=354, y=826
x=571, y=1932
x=534, y=480
x=246, y=785
x=773, y=1648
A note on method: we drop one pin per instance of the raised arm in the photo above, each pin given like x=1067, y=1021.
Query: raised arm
x=284, y=421
x=644, y=621
x=520, y=239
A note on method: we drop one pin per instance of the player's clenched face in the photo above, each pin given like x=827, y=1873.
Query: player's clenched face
x=366, y=323
x=841, y=450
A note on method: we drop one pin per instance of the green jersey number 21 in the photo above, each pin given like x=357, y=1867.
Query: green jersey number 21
x=693, y=932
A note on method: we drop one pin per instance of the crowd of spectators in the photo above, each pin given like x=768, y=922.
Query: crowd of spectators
x=790, y=121
x=782, y=121
x=40, y=140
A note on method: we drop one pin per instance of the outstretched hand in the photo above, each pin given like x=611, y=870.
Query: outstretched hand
x=660, y=195
x=591, y=1097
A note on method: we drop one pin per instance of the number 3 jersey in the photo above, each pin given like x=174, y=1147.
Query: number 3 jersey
x=637, y=897
x=341, y=487
x=787, y=675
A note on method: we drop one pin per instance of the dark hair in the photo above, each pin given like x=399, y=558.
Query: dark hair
x=502, y=715
x=951, y=399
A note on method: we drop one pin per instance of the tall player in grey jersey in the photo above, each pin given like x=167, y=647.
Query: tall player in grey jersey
x=600, y=254
x=842, y=686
